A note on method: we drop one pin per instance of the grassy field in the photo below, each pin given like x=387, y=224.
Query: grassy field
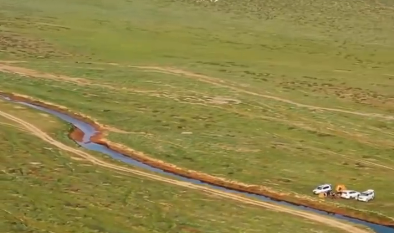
x=47, y=190
x=329, y=54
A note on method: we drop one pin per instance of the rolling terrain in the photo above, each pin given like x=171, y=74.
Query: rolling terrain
x=52, y=187
x=283, y=95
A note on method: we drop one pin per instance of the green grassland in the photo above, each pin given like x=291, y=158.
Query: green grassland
x=331, y=54
x=47, y=190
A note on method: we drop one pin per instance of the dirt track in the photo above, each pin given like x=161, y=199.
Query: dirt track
x=311, y=216
x=7, y=67
x=221, y=83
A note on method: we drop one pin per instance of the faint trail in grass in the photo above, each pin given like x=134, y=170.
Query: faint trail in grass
x=7, y=67
x=14, y=126
x=221, y=83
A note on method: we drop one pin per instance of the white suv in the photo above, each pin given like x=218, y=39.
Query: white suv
x=348, y=194
x=324, y=188
x=366, y=195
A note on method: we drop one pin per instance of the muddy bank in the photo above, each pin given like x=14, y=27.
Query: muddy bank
x=76, y=134
x=99, y=138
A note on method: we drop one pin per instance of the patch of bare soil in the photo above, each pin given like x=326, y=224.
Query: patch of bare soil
x=116, y=130
x=223, y=100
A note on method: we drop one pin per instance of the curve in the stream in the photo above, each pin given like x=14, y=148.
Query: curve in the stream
x=90, y=131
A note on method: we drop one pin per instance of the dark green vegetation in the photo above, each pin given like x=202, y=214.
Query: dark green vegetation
x=331, y=54
x=47, y=190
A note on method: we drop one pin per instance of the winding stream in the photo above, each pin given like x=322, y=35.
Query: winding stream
x=90, y=131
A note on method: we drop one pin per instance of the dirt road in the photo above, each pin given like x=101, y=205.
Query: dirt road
x=221, y=83
x=311, y=216
x=8, y=67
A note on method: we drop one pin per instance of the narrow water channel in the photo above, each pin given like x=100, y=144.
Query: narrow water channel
x=90, y=131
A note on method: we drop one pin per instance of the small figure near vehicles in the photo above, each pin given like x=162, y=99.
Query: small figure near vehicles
x=349, y=194
x=366, y=195
x=324, y=188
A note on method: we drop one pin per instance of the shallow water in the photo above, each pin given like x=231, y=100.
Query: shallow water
x=90, y=131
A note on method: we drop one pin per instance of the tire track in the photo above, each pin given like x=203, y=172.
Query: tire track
x=9, y=68
x=221, y=83
x=307, y=215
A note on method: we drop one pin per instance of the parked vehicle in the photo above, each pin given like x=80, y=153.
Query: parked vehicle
x=324, y=188
x=349, y=194
x=366, y=195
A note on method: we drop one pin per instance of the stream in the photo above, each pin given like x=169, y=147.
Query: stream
x=90, y=131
